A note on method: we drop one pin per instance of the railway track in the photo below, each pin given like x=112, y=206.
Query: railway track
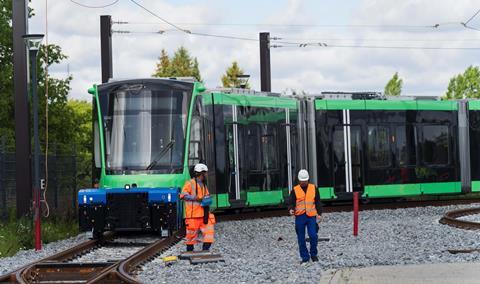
x=451, y=218
x=17, y=276
x=75, y=266
x=128, y=267
x=70, y=266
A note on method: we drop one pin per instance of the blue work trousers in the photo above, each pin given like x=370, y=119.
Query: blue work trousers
x=302, y=221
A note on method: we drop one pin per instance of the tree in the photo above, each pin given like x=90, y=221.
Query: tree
x=83, y=137
x=60, y=117
x=180, y=65
x=230, y=78
x=7, y=127
x=61, y=126
x=163, y=66
x=394, y=86
x=466, y=85
x=69, y=123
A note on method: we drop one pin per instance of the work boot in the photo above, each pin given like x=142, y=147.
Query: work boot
x=314, y=258
x=189, y=247
x=206, y=246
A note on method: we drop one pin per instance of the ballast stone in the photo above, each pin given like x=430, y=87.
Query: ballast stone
x=253, y=253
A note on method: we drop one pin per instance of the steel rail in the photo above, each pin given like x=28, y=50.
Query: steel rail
x=128, y=266
x=451, y=218
x=123, y=270
x=68, y=254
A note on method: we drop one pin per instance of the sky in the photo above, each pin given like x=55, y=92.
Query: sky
x=339, y=25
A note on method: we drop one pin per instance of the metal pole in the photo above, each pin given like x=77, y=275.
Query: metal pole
x=23, y=175
x=36, y=165
x=235, y=151
x=265, y=74
x=106, y=47
x=107, y=71
x=289, y=150
x=312, y=141
x=464, y=146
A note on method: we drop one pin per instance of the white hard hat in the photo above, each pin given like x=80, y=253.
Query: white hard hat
x=200, y=168
x=303, y=175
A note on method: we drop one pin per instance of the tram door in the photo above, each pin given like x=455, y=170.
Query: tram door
x=347, y=159
x=236, y=197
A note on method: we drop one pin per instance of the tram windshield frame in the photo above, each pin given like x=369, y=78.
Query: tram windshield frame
x=145, y=127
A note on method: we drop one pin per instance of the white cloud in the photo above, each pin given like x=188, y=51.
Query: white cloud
x=313, y=69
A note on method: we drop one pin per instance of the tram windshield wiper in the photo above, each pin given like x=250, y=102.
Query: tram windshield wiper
x=160, y=155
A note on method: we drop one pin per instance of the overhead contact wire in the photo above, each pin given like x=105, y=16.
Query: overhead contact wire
x=94, y=7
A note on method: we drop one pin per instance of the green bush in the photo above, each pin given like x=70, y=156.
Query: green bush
x=18, y=235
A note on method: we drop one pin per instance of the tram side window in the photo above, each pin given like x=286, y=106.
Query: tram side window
x=379, y=155
x=338, y=146
x=435, y=146
x=269, y=150
x=253, y=149
x=208, y=138
x=405, y=145
x=195, y=150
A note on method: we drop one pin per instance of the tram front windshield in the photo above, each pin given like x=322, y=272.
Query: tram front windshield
x=145, y=130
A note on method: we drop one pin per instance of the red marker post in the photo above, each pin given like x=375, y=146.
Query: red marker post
x=355, y=213
x=38, y=230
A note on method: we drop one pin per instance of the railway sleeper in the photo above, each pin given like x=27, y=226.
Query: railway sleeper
x=59, y=272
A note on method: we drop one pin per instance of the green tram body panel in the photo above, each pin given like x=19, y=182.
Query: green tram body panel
x=387, y=105
x=365, y=116
x=271, y=113
x=263, y=118
x=399, y=190
x=476, y=186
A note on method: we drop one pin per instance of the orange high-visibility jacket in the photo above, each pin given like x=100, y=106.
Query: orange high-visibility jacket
x=305, y=201
x=193, y=209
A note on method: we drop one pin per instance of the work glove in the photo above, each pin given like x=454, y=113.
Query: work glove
x=319, y=218
x=189, y=197
x=292, y=212
x=206, y=201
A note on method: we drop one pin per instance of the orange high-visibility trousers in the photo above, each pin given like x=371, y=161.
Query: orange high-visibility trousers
x=193, y=225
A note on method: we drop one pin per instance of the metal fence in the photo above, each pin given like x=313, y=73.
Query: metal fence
x=62, y=184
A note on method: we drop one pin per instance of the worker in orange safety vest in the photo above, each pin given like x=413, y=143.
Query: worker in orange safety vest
x=305, y=205
x=197, y=202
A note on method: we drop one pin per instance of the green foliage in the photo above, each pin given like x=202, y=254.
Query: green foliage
x=17, y=235
x=230, y=80
x=180, y=65
x=61, y=118
x=6, y=72
x=394, y=86
x=83, y=137
x=466, y=85
x=69, y=122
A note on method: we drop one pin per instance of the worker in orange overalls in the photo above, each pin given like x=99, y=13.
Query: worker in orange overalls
x=197, y=209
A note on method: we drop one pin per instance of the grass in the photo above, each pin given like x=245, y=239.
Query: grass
x=16, y=235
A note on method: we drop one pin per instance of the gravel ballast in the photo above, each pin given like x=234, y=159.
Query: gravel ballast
x=265, y=250
x=23, y=257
